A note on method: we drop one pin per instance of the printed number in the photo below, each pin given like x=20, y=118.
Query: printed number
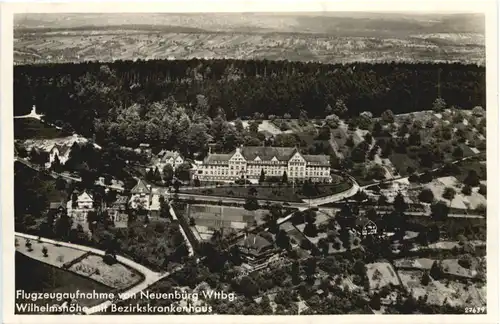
x=475, y=310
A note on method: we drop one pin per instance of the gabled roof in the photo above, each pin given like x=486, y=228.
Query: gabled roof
x=140, y=187
x=256, y=243
x=317, y=159
x=211, y=158
x=85, y=195
x=168, y=155
x=266, y=153
x=363, y=221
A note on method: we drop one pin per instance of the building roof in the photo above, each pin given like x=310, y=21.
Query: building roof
x=363, y=221
x=85, y=195
x=212, y=158
x=256, y=243
x=317, y=159
x=140, y=187
x=268, y=153
x=165, y=155
x=57, y=205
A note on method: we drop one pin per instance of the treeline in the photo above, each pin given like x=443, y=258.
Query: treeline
x=243, y=88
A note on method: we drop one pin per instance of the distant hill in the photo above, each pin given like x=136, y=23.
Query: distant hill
x=315, y=23
x=329, y=37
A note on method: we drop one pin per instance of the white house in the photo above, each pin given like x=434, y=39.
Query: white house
x=165, y=157
x=141, y=196
x=85, y=201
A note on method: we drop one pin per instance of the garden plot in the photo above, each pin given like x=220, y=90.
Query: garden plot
x=381, y=274
x=116, y=276
x=460, y=201
x=438, y=292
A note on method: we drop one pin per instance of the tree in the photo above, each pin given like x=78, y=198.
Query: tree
x=436, y=270
x=439, y=210
x=425, y=278
x=472, y=179
x=482, y=189
x=60, y=183
x=340, y=108
x=168, y=172
x=466, y=261
x=400, y=205
x=439, y=105
x=375, y=301
x=426, y=195
x=376, y=172
x=332, y=121
x=183, y=171
x=311, y=230
x=387, y=116
x=251, y=203
x=449, y=193
x=458, y=152
x=284, y=178
x=467, y=190
x=478, y=111
x=262, y=177
x=45, y=251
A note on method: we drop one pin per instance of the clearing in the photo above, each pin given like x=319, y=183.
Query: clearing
x=381, y=274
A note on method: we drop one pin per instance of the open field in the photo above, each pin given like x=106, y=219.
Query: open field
x=25, y=128
x=325, y=37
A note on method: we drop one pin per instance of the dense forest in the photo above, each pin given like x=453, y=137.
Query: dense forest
x=160, y=100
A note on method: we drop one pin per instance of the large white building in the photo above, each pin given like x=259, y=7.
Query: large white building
x=248, y=162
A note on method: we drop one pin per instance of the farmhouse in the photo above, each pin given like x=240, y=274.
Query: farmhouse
x=249, y=162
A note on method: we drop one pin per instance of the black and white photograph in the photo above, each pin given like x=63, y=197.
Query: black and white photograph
x=325, y=162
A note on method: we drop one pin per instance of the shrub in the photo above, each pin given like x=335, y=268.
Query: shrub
x=109, y=259
x=426, y=196
x=45, y=251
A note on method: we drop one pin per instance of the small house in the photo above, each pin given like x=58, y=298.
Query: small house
x=365, y=227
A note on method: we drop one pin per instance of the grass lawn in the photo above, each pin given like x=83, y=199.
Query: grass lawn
x=56, y=255
x=274, y=192
x=47, y=278
x=25, y=128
